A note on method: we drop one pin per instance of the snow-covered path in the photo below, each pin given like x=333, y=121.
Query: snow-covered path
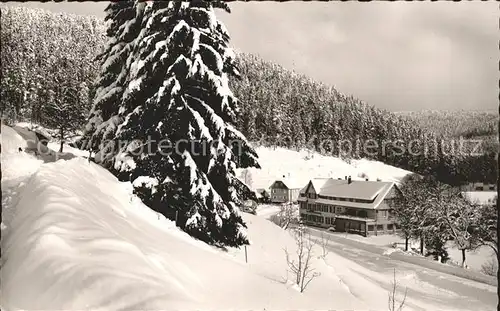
x=424, y=283
x=17, y=168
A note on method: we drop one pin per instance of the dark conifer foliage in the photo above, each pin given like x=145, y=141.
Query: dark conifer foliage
x=170, y=115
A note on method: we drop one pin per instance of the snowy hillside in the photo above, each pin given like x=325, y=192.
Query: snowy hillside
x=302, y=166
x=74, y=237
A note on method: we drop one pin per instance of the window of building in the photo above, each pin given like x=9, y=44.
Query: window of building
x=492, y=187
x=479, y=188
x=370, y=227
x=327, y=220
x=390, y=227
x=380, y=227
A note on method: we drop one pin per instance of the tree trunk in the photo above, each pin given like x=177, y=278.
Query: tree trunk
x=463, y=258
x=406, y=243
x=62, y=139
x=422, y=245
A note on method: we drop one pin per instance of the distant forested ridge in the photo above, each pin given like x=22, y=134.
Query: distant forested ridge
x=278, y=107
x=48, y=62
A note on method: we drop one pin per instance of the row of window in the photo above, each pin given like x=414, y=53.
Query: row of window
x=381, y=227
x=318, y=219
x=278, y=197
x=345, y=199
x=315, y=196
x=322, y=208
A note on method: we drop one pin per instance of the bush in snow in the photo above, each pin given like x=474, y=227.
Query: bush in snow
x=393, y=303
x=285, y=216
x=300, y=263
x=164, y=104
x=490, y=267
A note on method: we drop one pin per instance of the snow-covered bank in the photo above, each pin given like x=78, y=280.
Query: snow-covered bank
x=475, y=259
x=303, y=165
x=76, y=238
x=79, y=241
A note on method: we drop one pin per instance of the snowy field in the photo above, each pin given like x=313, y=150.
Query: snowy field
x=76, y=238
x=303, y=166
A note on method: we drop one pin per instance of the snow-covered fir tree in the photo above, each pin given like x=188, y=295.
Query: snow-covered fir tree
x=177, y=141
x=124, y=24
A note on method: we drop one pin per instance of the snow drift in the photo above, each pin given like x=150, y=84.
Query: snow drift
x=81, y=241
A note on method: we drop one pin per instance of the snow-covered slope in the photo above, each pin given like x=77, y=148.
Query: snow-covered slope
x=79, y=238
x=76, y=238
x=305, y=165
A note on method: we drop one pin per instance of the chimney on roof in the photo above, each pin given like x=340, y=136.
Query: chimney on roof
x=349, y=181
x=283, y=176
x=366, y=179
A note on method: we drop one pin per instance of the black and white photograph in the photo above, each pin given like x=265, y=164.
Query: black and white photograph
x=249, y=155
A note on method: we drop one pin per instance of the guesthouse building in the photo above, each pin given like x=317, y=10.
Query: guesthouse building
x=355, y=206
x=285, y=190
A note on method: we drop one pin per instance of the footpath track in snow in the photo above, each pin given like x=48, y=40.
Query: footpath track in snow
x=465, y=291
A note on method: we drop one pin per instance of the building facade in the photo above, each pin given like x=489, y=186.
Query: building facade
x=285, y=191
x=362, y=207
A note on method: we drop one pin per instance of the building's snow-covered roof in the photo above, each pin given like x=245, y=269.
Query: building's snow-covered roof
x=291, y=183
x=480, y=197
x=317, y=183
x=357, y=189
x=375, y=191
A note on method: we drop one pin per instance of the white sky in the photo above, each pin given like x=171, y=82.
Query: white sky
x=394, y=55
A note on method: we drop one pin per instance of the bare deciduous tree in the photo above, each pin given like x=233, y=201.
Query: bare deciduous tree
x=301, y=265
x=393, y=304
x=284, y=217
x=324, y=242
x=490, y=267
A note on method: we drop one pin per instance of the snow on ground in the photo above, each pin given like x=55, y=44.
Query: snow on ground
x=304, y=165
x=54, y=143
x=16, y=168
x=68, y=149
x=475, y=259
x=78, y=239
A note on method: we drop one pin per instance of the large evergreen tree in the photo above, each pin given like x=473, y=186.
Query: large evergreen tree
x=175, y=135
x=124, y=19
